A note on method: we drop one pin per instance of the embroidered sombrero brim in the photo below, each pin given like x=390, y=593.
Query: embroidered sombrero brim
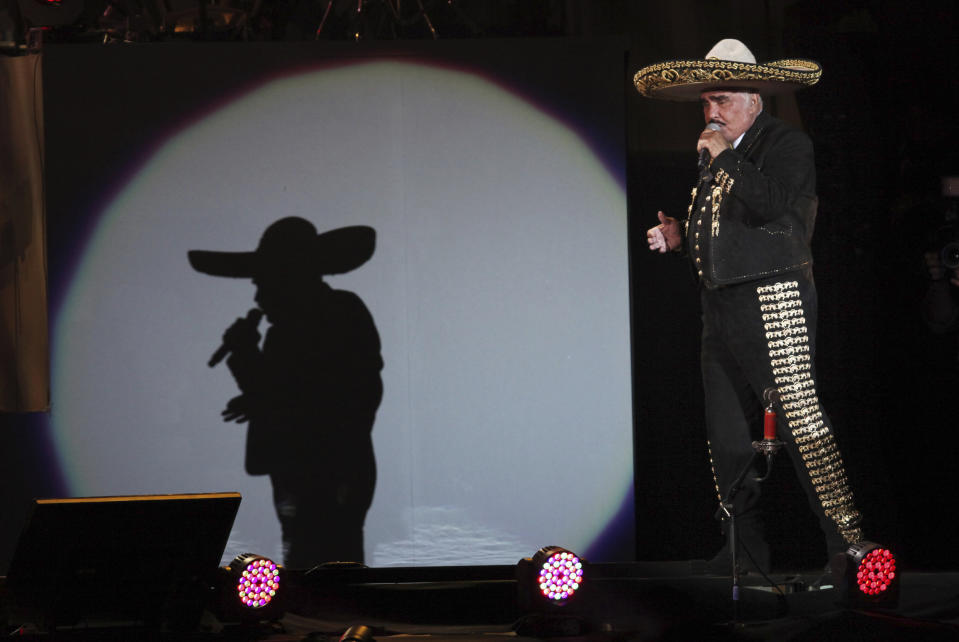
x=687, y=79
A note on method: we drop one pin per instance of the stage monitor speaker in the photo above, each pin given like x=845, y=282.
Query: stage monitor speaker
x=147, y=559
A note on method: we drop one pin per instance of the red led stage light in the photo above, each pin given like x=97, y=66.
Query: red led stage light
x=876, y=572
x=867, y=576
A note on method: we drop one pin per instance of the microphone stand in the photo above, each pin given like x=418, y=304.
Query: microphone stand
x=768, y=447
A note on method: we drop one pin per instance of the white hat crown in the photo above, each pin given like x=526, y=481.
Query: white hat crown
x=731, y=49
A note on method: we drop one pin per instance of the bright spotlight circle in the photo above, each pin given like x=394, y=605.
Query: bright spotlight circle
x=499, y=288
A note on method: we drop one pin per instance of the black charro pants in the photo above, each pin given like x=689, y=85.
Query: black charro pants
x=762, y=335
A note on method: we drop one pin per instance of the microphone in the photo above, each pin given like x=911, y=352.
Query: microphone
x=770, y=444
x=253, y=318
x=704, y=153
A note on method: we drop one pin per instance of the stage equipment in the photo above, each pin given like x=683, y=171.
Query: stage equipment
x=50, y=13
x=257, y=580
x=866, y=576
x=358, y=633
x=250, y=590
x=149, y=559
x=225, y=20
x=552, y=577
x=768, y=447
x=371, y=19
x=550, y=589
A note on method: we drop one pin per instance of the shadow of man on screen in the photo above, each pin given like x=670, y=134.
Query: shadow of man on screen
x=310, y=394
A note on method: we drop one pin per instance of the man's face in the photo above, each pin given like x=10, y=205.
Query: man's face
x=733, y=111
x=282, y=294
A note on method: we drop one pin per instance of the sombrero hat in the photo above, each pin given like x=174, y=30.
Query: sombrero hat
x=292, y=244
x=728, y=65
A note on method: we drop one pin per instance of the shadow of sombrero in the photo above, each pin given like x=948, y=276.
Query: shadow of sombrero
x=292, y=244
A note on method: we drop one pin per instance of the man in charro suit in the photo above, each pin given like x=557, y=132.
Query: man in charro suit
x=747, y=235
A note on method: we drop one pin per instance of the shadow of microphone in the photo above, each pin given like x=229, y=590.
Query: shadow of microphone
x=252, y=317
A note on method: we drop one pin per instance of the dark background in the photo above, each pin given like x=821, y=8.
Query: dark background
x=883, y=123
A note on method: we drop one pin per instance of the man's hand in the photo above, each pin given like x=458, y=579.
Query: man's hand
x=713, y=141
x=243, y=335
x=237, y=409
x=664, y=237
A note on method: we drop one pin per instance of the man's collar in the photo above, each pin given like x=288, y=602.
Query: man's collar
x=750, y=134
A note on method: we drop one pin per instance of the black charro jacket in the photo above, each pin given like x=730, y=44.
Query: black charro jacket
x=754, y=217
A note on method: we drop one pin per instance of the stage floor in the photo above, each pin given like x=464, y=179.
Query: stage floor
x=666, y=602
x=643, y=601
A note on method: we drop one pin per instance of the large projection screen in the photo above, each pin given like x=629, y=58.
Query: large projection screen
x=493, y=175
